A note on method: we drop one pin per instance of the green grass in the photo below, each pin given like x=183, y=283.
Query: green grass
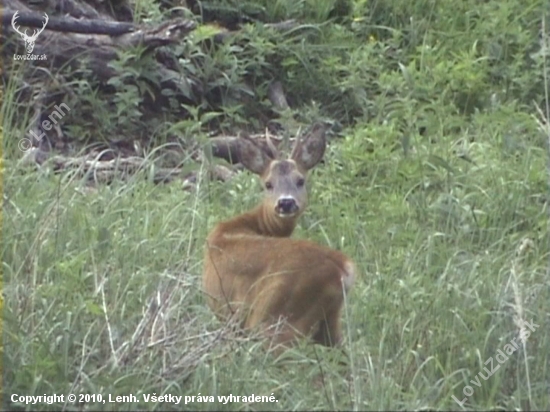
x=438, y=189
x=103, y=289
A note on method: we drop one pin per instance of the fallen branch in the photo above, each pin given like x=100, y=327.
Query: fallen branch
x=227, y=147
x=68, y=24
x=105, y=171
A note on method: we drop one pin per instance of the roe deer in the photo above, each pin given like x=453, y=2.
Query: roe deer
x=253, y=269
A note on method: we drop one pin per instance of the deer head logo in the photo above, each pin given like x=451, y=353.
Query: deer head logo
x=29, y=40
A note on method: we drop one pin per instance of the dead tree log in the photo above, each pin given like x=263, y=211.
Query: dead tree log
x=86, y=35
x=68, y=24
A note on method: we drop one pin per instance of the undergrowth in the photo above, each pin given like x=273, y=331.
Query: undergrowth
x=437, y=187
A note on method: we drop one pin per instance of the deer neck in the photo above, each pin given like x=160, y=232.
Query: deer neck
x=262, y=221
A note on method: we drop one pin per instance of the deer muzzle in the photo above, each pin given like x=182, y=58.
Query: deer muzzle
x=286, y=207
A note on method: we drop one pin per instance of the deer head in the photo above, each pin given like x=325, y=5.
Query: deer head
x=284, y=179
x=29, y=40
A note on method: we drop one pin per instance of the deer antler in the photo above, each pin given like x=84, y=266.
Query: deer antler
x=36, y=31
x=270, y=145
x=13, y=19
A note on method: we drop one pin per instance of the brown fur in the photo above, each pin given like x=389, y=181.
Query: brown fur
x=253, y=269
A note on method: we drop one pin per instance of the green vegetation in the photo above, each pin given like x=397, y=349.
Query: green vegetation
x=437, y=188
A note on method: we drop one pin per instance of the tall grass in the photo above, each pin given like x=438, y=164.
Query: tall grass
x=438, y=190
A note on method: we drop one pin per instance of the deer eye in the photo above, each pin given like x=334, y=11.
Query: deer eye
x=268, y=185
x=300, y=182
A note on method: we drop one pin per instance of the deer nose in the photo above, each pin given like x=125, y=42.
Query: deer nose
x=286, y=206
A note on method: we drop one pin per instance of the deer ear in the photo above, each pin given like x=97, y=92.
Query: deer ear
x=310, y=149
x=252, y=156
